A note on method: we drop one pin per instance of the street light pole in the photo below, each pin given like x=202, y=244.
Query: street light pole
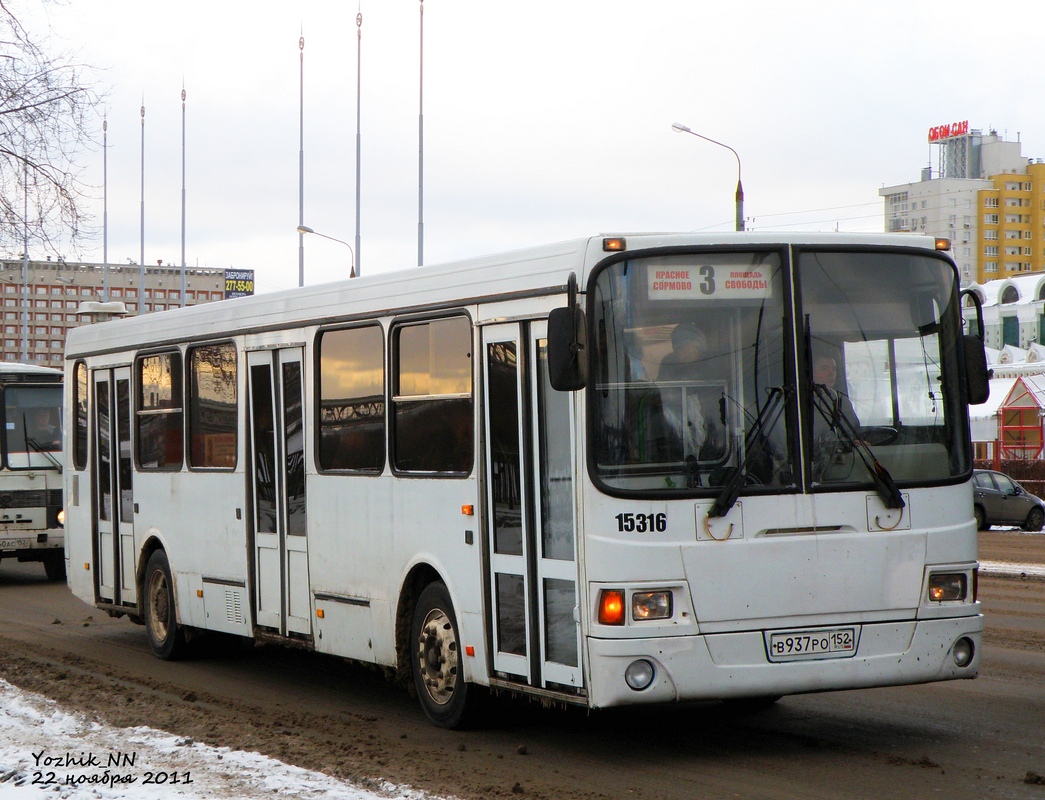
x=301, y=160
x=141, y=257
x=182, y=196
x=678, y=127
x=25, y=260
x=421, y=142
x=359, y=65
x=303, y=229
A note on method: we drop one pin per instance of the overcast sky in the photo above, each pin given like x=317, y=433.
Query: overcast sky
x=543, y=120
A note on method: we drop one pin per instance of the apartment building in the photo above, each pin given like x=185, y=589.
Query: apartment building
x=980, y=195
x=40, y=304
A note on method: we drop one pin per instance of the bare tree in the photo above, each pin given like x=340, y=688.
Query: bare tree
x=47, y=104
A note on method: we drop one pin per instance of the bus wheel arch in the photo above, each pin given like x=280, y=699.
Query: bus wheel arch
x=436, y=660
x=419, y=577
x=159, y=608
x=427, y=640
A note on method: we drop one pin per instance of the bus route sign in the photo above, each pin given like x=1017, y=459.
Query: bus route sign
x=709, y=281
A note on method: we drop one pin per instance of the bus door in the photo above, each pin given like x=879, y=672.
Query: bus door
x=532, y=569
x=114, y=495
x=278, y=491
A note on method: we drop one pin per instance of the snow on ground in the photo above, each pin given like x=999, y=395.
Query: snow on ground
x=48, y=754
x=1012, y=570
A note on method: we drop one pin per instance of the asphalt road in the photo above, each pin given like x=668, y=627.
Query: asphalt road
x=975, y=739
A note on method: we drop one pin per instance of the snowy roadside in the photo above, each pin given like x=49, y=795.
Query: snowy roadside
x=1009, y=570
x=48, y=753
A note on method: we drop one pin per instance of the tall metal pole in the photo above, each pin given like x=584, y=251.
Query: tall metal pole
x=105, y=210
x=678, y=127
x=301, y=163
x=141, y=261
x=25, y=259
x=359, y=48
x=740, y=199
x=421, y=146
x=183, y=196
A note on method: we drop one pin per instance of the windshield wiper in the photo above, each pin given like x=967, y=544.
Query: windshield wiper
x=31, y=442
x=827, y=405
x=754, y=443
x=35, y=445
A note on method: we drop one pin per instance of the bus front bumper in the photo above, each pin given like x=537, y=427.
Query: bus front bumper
x=31, y=545
x=736, y=665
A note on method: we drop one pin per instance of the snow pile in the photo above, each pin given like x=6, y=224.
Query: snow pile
x=49, y=754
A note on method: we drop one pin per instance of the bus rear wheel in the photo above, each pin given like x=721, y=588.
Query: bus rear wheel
x=435, y=660
x=166, y=639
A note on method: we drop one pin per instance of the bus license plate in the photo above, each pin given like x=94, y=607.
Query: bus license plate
x=14, y=544
x=826, y=643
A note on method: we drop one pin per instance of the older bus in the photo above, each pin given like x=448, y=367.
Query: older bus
x=31, y=473
x=601, y=472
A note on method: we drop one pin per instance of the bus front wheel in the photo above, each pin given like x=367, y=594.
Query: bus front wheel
x=435, y=660
x=166, y=639
x=54, y=566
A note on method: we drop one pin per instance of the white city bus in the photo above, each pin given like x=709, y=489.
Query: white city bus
x=494, y=473
x=31, y=470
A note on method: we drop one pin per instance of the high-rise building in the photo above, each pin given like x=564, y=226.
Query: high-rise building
x=41, y=305
x=983, y=195
x=1012, y=236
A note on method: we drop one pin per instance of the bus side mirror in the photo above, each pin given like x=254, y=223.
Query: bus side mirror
x=567, y=349
x=977, y=373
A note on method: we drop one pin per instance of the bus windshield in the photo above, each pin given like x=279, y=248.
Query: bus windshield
x=32, y=426
x=704, y=377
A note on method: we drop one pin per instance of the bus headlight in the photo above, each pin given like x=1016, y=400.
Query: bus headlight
x=651, y=605
x=962, y=652
x=639, y=674
x=61, y=517
x=948, y=586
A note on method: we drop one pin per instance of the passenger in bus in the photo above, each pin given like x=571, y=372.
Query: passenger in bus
x=689, y=364
x=44, y=429
x=825, y=374
x=836, y=428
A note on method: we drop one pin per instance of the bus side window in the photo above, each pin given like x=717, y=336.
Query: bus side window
x=432, y=396
x=213, y=408
x=159, y=415
x=351, y=403
x=80, y=411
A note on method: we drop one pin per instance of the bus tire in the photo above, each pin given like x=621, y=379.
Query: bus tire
x=166, y=639
x=435, y=660
x=54, y=566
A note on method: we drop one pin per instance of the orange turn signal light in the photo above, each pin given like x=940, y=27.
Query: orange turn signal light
x=468, y=510
x=611, y=607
